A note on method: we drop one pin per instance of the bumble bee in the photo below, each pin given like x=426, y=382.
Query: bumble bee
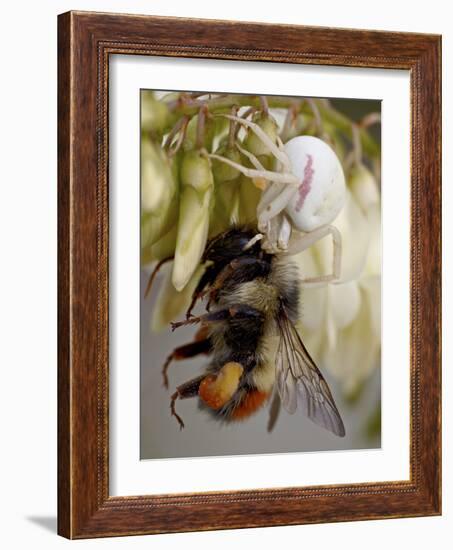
x=252, y=300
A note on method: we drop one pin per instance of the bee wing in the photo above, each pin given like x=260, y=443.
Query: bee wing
x=274, y=410
x=300, y=382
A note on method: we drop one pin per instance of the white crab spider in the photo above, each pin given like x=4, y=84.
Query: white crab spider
x=306, y=193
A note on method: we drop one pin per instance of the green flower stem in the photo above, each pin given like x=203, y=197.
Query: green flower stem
x=189, y=106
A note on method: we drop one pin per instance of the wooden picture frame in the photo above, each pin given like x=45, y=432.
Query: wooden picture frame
x=85, y=42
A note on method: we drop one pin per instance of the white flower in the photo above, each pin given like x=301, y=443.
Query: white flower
x=193, y=227
x=197, y=196
x=159, y=193
x=157, y=186
x=340, y=323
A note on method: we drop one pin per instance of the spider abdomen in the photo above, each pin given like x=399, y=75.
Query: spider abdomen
x=322, y=190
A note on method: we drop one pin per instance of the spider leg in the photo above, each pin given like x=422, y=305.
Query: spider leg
x=280, y=143
x=268, y=196
x=284, y=233
x=277, y=235
x=268, y=175
x=301, y=242
x=273, y=202
x=278, y=153
x=256, y=163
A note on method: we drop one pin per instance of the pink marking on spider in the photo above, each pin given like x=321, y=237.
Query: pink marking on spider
x=305, y=186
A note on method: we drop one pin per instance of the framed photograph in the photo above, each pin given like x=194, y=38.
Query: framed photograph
x=249, y=275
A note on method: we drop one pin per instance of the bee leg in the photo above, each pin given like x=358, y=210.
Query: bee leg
x=235, y=311
x=208, y=276
x=186, y=351
x=174, y=397
x=189, y=389
x=195, y=297
x=221, y=315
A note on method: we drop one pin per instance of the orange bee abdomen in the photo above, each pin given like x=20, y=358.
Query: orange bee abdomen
x=217, y=390
x=250, y=404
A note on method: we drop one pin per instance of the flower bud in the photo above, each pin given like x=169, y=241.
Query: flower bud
x=253, y=143
x=297, y=127
x=224, y=172
x=193, y=226
x=160, y=192
x=157, y=182
x=226, y=209
x=191, y=137
x=249, y=197
x=163, y=248
x=153, y=228
x=155, y=114
x=363, y=186
x=196, y=171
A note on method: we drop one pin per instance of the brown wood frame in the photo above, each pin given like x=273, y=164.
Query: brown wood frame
x=85, y=42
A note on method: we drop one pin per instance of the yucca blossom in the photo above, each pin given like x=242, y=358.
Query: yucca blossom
x=341, y=323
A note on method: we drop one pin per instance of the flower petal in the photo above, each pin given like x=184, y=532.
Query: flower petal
x=163, y=248
x=372, y=288
x=249, y=196
x=356, y=353
x=157, y=184
x=154, y=228
x=313, y=304
x=344, y=303
x=355, y=237
x=196, y=170
x=314, y=340
x=155, y=113
x=373, y=261
x=313, y=299
x=364, y=187
x=193, y=226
